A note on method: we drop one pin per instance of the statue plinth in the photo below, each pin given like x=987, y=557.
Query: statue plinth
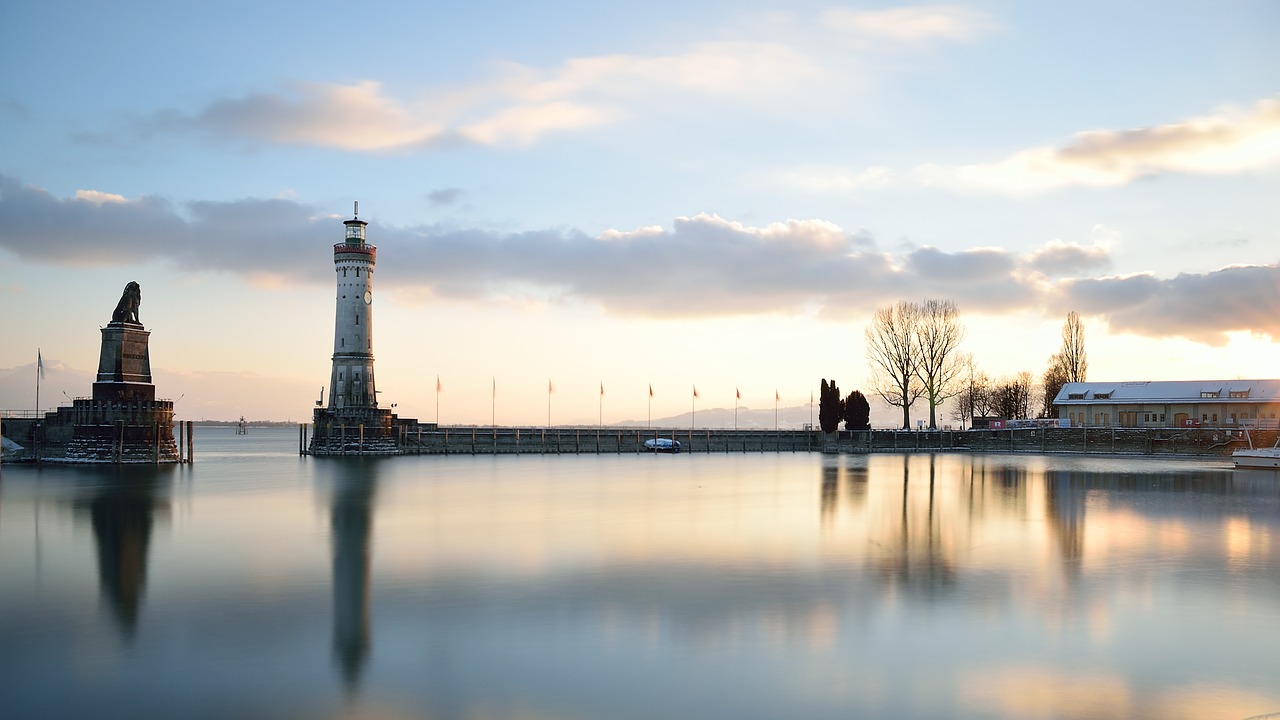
x=124, y=367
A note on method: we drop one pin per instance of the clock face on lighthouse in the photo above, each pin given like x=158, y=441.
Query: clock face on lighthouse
x=368, y=297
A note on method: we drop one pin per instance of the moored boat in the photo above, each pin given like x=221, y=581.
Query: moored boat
x=664, y=445
x=1264, y=458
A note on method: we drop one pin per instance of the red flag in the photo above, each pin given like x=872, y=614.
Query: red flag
x=695, y=391
x=776, y=396
x=738, y=393
x=438, y=387
x=549, y=388
x=650, y=389
x=601, y=389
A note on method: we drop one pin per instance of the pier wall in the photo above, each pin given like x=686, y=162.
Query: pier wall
x=1202, y=442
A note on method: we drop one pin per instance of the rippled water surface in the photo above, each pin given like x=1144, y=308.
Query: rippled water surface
x=258, y=584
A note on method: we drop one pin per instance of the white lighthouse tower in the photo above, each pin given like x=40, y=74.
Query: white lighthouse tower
x=353, y=423
x=351, y=382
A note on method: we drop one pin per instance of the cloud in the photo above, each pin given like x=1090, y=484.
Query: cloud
x=1059, y=259
x=763, y=70
x=98, y=198
x=909, y=24
x=444, y=196
x=1231, y=141
x=702, y=265
x=1204, y=307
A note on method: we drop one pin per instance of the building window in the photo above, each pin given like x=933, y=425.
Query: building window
x=1238, y=394
x=1215, y=417
x=1102, y=396
x=1209, y=393
x=1075, y=396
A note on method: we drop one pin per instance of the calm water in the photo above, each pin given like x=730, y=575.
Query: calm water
x=257, y=584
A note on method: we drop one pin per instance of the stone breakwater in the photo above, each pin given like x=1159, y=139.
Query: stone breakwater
x=1201, y=442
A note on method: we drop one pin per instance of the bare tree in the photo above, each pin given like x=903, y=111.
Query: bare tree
x=1011, y=397
x=893, y=356
x=1069, y=364
x=974, y=398
x=1054, y=378
x=1075, y=362
x=938, y=334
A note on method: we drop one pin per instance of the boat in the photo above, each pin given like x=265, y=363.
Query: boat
x=1257, y=458
x=662, y=445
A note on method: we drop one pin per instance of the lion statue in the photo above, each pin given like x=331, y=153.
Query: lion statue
x=127, y=308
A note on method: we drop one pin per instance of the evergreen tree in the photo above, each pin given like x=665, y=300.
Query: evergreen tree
x=830, y=409
x=857, y=412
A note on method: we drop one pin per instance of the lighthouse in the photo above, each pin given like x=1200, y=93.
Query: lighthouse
x=352, y=423
x=351, y=381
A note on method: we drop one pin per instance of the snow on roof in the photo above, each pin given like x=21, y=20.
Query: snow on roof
x=1169, y=391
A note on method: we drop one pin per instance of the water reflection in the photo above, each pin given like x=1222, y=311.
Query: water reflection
x=887, y=586
x=120, y=506
x=355, y=484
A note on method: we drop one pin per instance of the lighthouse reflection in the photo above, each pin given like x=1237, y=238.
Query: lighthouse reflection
x=121, y=505
x=351, y=525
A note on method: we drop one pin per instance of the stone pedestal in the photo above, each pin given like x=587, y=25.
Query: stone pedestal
x=124, y=367
x=123, y=422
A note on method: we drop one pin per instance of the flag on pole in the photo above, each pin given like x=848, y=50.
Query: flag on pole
x=695, y=391
x=495, y=387
x=776, y=396
x=601, y=389
x=650, y=389
x=549, y=386
x=438, y=386
x=738, y=393
x=39, y=362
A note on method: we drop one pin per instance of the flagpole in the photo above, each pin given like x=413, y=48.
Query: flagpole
x=775, y=410
x=649, y=423
x=737, y=395
x=548, y=402
x=437, y=402
x=39, y=372
x=493, y=405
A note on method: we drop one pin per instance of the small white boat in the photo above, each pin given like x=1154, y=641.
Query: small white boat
x=668, y=445
x=1264, y=458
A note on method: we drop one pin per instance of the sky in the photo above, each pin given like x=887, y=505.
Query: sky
x=676, y=195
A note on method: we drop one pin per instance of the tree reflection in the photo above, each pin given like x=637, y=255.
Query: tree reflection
x=1064, y=507
x=919, y=560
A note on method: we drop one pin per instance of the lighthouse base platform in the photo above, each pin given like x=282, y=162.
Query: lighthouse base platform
x=353, y=431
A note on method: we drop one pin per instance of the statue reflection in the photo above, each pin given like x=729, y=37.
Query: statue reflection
x=351, y=525
x=121, y=505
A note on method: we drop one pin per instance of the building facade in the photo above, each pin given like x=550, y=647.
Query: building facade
x=1237, y=404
